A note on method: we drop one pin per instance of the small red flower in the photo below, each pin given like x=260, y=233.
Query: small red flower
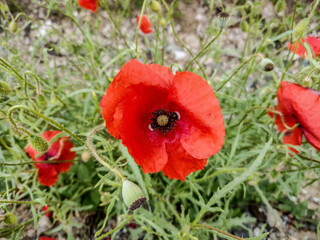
x=314, y=44
x=59, y=151
x=45, y=208
x=89, y=4
x=145, y=26
x=300, y=105
x=46, y=238
x=169, y=123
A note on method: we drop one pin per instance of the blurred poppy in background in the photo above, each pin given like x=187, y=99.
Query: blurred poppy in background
x=298, y=113
x=60, y=150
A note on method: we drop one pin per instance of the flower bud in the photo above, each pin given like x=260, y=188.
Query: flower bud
x=163, y=22
x=10, y=219
x=244, y=26
x=132, y=195
x=223, y=19
x=280, y=6
x=4, y=88
x=105, y=198
x=42, y=101
x=306, y=82
x=155, y=6
x=267, y=64
x=13, y=26
x=38, y=143
x=85, y=156
x=301, y=27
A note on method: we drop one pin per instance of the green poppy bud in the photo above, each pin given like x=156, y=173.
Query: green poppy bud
x=38, y=143
x=42, y=101
x=105, y=198
x=163, y=22
x=155, y=6
x=132, y=195
x=300, y=28
x=267, y=64
x=223, y=19
x=4, y=88
x=13, y=26
x=280, y=6
x=244, y=26
x=10, y=219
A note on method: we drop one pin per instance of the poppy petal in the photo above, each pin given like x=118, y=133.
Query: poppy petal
x=293, y=137
x=47, y=175
x=132, y=73
x=145, y=26
x=180, y=164
x=65, y=154
x=304, y=104
x=132, y=119
x=89, y=4
x=206, y=136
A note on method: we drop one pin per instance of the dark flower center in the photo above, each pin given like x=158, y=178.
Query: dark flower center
x=47, y=156
x=163, y=121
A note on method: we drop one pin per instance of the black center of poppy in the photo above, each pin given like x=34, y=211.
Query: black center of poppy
x=163, y=120
x=47, y=156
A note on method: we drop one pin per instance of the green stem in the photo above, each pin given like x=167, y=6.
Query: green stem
x=219, y=172
x=217, y=230
x=237, y=70
x=49, y=120
x=18, y=202
x=117, y=26
x=98, y=156
x=203, y=50
x=180, y=41
x=32, y=162
x=139, y=24
x=300, y=36
x=292, y=25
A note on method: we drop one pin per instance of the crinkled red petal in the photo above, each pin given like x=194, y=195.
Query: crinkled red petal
x=65, y=154
x=180, y=164
x=194, y=96
x=89, y=4
x=145, y=26
x=46, y=238
x=48, y=175
x=132, y=73
x=132, y=119
x=314, y=44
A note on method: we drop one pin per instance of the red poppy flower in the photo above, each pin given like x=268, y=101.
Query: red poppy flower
x=45, y=208
x=58, y=151
x=145, y=26
x=169, y=123
x=46, y=238
x=89, y=4
x=314, y=44
x=298, y=105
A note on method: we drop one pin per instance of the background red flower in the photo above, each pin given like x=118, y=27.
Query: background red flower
x=89, y=4
x=145, y=26
x=298, y=105
x=314, y=44
x=46, y=238
x=141, y=96
x=60, y=150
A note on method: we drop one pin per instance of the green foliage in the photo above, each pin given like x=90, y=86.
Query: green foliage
x=56, y=81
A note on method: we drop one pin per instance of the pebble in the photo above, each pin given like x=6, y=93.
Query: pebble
x=315, y=200
x=179, y=55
